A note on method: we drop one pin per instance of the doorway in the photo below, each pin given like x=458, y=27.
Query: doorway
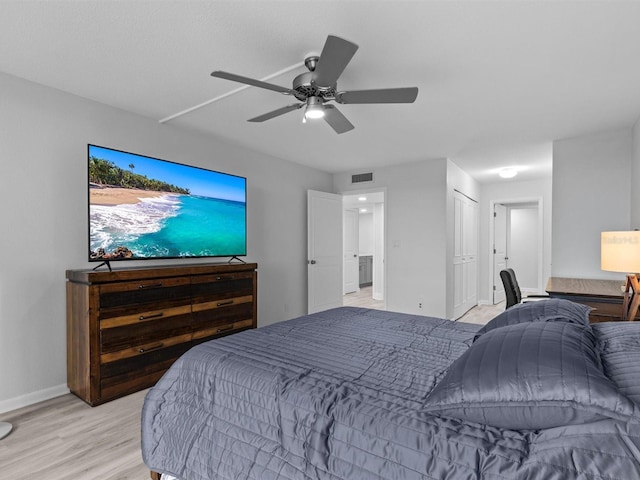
x=363, y=249
x=517, y=243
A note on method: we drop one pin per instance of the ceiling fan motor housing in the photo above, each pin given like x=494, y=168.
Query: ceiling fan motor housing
x=304, y=87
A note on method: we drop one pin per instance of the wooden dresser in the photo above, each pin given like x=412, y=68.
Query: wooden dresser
x=126, y=327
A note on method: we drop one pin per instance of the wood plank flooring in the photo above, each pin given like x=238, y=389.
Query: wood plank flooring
x=480, y=314
x=65, y=439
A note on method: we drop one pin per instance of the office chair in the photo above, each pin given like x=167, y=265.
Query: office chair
x=512, y=289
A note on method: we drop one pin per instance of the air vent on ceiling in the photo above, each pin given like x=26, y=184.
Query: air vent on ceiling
x=362, y=177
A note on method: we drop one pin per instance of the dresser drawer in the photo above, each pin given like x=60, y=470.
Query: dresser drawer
x=131, y=374
x=212, y=318
x=121, y=298
x=207, y=288
x=121, y=333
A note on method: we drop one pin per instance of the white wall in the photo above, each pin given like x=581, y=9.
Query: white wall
x=522, y=233
x=510, y=192
x=44, y=135
x=635, y=177
x=591, y=194
x=365, y=234
x=415, y=215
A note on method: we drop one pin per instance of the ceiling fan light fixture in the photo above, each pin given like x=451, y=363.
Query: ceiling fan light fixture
x=314, y=108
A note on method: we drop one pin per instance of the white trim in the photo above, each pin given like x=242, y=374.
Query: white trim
x=33, y=397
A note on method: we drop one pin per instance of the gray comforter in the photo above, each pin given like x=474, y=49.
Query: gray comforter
x=344, y=394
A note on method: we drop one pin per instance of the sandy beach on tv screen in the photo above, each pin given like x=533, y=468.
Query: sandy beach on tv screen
x=120, y=196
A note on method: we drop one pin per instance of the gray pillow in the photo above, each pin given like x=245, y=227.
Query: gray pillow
x=548, y=310
x=530, y=376
x=620, y=353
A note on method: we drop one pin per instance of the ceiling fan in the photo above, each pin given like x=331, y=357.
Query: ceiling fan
x=317, y=87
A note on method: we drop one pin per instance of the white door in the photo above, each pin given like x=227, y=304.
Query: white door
x=465, y=258
x=324, y=262
x=470, y=251
x=350, y=244
x=499, y=250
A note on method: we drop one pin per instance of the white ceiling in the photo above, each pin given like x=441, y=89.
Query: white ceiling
x=498, y=81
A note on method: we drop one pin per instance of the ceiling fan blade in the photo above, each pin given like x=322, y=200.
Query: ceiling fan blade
x=276, y=113
x=335, y=56
x=385, y=95
x=336, y=119
x=251, y=81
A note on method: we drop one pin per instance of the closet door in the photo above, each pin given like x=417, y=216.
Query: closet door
x=465, y=254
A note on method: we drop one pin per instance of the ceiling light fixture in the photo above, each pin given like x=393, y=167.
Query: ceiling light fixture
x=508, y=172
x=314, y=108
x=362, y=199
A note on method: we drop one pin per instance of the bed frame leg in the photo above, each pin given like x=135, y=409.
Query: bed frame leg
x=154, y=475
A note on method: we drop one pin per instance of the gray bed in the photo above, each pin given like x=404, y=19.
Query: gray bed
x=353, y=393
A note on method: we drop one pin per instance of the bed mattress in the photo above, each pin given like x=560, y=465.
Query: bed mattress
x=343, y=394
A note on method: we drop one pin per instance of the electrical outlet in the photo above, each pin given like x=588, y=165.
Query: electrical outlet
x=419, y=304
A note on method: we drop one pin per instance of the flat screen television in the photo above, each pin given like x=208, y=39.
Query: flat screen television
x=147, y=208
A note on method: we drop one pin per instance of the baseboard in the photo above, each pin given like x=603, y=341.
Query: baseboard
x=33, y=397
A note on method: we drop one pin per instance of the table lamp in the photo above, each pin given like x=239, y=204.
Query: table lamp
x=620, y=252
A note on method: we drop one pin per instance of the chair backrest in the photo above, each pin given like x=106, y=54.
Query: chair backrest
x=511, y=288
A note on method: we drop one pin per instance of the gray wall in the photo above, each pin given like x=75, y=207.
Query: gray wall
x=635, y=177
x=415, y=218
x=43, y=147
x=591, y=194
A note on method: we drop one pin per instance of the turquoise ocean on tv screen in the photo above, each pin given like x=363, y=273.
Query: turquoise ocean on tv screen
x=171, y=226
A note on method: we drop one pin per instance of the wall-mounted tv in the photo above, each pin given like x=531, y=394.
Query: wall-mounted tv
x=146, y=208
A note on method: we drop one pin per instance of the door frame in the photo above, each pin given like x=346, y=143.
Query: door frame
x=383, y=190
x=507, y=202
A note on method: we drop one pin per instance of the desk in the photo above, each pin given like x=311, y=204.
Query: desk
x=605, y=296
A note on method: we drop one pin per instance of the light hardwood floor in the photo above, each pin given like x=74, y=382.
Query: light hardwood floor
x=480, y=314
x=65, y=439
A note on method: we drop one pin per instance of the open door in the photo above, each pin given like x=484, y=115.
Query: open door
x=499, y=250
x=324, y=261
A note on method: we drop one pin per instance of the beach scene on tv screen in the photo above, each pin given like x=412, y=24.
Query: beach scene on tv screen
x=142, y=207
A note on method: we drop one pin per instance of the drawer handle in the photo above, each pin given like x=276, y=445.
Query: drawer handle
x=224, y=329
x=152, y=285
x=149, y=317
x=153, y=347
x=223, y=304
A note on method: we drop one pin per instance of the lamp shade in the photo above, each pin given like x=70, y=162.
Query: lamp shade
x=620, y=251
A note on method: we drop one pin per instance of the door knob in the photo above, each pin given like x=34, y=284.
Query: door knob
x=312, y=262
